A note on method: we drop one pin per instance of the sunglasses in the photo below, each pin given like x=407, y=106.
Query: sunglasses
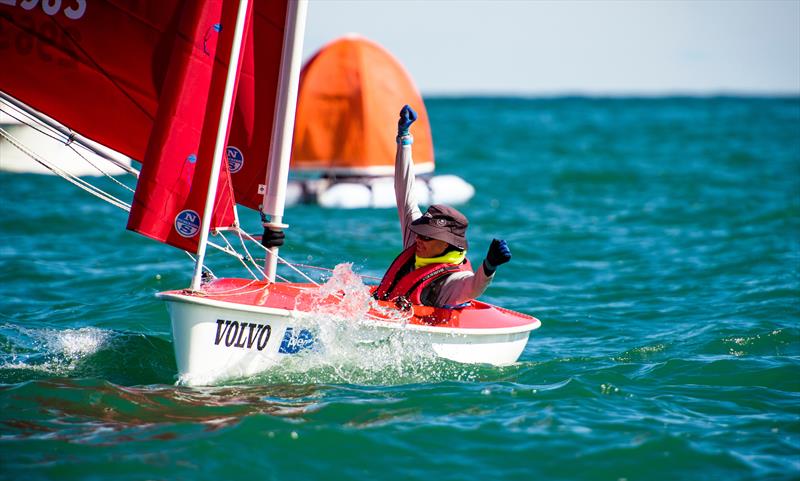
x=424, y=238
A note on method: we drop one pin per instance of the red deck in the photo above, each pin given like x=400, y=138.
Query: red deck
x=478, y=315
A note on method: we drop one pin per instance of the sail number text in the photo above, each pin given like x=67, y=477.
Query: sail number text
x=45, y=39
x=72, y=9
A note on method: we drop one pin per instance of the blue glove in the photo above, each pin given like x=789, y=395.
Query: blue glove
x=407, y=117
x=498, y=254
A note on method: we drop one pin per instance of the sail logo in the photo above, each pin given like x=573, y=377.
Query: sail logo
x=187, y=223
x=235, y=159
x=293, y=343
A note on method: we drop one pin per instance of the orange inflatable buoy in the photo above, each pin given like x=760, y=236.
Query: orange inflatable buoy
x=350, y=94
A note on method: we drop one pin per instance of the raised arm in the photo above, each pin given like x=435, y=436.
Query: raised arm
x=407, y=207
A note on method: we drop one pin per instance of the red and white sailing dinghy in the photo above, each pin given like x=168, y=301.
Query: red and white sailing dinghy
x=205, y=100
x=238, y=328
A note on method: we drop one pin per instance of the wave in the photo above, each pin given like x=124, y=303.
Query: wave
x=118, y=356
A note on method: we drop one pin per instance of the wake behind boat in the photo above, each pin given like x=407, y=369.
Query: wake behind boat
x=195, y=105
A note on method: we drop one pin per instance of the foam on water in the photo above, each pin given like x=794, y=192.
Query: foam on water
x=51, y=350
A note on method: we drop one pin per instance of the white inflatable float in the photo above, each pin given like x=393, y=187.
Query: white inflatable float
x=376, y=192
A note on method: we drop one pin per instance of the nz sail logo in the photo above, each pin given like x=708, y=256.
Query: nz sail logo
x=187, y=223
x=235, y=159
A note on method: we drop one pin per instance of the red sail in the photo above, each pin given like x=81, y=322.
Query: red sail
x=170, y=196
x=97, y=67
x=139, y=78
x=249, y=142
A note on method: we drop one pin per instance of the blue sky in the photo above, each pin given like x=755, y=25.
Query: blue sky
x=585, y=47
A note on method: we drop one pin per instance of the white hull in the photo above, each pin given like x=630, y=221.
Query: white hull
x=216, y=340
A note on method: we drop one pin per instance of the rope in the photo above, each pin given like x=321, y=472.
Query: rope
x=77, y=181
x=241, y=258
x=54, y=134
x=282, y=260
x=106, y=174
x=388, y=316
x=244, y=246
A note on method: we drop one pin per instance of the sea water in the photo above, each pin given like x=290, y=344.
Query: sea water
x=658, y=240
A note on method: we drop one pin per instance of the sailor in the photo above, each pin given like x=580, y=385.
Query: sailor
x=432, y=269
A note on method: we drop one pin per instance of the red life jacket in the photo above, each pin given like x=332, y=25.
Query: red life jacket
x=411, y=285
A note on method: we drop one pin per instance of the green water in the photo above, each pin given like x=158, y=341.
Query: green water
x=658, y=240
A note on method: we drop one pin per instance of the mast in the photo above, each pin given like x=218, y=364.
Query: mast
x=283, y=126
x=219, y=147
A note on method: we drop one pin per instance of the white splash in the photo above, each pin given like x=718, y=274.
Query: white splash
x=350, y=345
x=54, y=350
x=76, y=343
x=354, y=297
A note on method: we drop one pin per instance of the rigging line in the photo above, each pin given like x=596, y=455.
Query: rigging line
x=241, y=258
x=106, y=174
x=226, y=250
x=303, y=274
x=35, y=125
x=230, y=252
x=239, y=291
x=204, y=266
x=99, y=193
x=292, y=265
x=306, y=266
x=48, y=131
x=325, y=269
x=66, y=175
x=244, y=246
x=18, y=111
x=234, y=290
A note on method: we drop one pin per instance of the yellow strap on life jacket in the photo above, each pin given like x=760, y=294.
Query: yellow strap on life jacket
x=452, y=257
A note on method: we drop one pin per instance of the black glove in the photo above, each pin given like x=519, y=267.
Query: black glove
x=407, y=117
x=498, y=254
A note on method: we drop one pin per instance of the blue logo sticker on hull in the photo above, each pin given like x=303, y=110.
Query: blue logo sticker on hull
x=293, y=343
x=235, y=159
x=187, y=223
